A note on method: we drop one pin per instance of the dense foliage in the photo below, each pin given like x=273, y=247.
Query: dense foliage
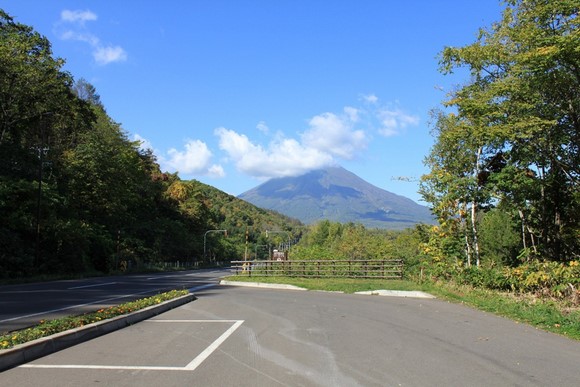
x=350, y=241
x=76, y=195
x=505, y=165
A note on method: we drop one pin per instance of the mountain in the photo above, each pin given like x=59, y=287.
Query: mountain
x=337, y=195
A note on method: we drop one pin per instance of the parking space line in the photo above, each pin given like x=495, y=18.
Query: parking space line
x=213, y=346
x=103, y=367
x=191, y=366
x=192, y=321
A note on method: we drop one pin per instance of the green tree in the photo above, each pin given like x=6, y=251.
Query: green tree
x=39, y=119
x=523, y=103
x=499, y=238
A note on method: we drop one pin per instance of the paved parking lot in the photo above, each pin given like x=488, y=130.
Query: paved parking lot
x=261, y=337
x=193, y=340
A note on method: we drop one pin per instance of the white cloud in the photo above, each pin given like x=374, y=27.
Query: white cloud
x=328, y=139
x=370, y=98
x=353, y=113
x=144, y=144
x=102, y=54
x=262, y=127
x=194, y=159
x=335, y=135
x=106, y=55
x=83, y=37
x=216, y=171
x=283, y=157
x=236, y=145
x=393, y=121
x=77, y=16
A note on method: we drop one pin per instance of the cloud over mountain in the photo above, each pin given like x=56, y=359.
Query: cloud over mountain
x=328, y=139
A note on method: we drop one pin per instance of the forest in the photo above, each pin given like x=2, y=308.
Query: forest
x=77, y=196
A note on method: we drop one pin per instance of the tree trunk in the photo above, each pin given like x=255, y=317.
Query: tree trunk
x=523, y=219
x=474, y=209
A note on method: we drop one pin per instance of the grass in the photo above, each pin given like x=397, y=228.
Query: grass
x=547, y=314
x=50, y=327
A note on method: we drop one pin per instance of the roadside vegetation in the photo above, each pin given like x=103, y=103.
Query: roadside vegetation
x=50, y=327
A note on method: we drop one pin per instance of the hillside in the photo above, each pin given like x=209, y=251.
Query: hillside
x=234, y=213
x=338, y=195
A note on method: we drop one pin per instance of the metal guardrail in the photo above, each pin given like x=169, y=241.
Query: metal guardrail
x=384, y=269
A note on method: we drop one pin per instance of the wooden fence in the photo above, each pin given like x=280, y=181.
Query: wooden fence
x=384, y=269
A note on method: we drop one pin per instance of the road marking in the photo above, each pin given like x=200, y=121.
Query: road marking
x=191, y=366
x=201, y=287
x=92, y=286
x=213, y=346
x=105, y=367
x=192, y=321
x=160, y=277
x=75, y=306
x=191, y=290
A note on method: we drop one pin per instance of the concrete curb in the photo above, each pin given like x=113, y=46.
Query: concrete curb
x=35, y=349
x=397, y=293
x=391, y=293
x=261, y=285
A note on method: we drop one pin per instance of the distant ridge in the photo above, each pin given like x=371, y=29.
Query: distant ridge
x=337, y=195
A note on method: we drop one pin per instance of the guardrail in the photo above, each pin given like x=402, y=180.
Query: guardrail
x=384, y=269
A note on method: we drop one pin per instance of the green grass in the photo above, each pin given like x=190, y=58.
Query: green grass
x=549, y=315
x=50, y=327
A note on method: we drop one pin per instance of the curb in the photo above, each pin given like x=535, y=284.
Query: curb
x=26, y=352
x=261, y=285
x=397, y=293
x=391, y=293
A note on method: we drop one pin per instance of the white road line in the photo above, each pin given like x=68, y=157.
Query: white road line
x=189, y=367
x=191, y=321
x=74, y=306
x=104, y=367
x=201, y=287
x=213, y=346
x=92, y=286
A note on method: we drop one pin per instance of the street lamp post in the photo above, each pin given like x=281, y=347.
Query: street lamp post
x=41, y=153
x=205, y=239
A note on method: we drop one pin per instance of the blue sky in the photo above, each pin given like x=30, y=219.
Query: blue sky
x=232, y=93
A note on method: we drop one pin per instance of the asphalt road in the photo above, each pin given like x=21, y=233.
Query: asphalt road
x=261, y=337
x=24, y=305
